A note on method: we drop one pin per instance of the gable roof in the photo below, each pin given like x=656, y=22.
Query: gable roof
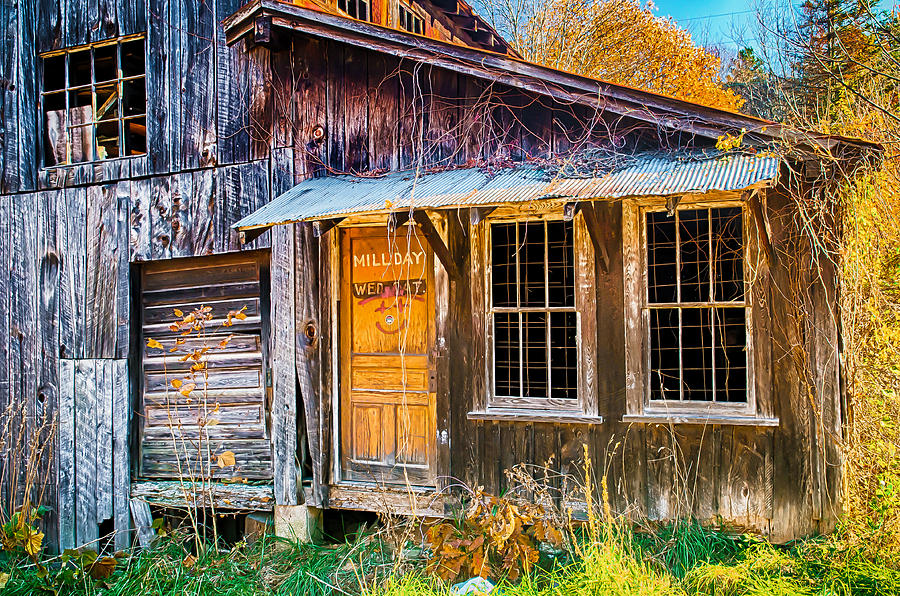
x=647, y=106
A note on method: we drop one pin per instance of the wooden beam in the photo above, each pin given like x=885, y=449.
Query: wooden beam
x=762, y=225
x=479, y=214
x=322, y=227
x=398, y=219
x=592, y=223
x=248, y=236
x=437, y=244
x=175, y=493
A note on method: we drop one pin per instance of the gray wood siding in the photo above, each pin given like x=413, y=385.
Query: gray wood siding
x=231, y=127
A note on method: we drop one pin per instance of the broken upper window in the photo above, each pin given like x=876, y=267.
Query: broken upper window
x=410, y=21
x=532, y=310
x=358, y=9
x=695, y=308
x=94, y=103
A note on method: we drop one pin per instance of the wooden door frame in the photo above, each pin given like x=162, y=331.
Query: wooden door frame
x=440, y=460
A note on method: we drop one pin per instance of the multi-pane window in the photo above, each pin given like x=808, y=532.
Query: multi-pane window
x=696, y=306
x=532, y=310
x=94, y=103
x=410, y=21
x=358, y=9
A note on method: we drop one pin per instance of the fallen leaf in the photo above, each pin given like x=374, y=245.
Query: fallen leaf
x=225, y=459
x=103, y=568
x=189, y=561
x=152, y=343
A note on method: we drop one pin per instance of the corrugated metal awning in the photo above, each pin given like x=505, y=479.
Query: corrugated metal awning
x=649, y=175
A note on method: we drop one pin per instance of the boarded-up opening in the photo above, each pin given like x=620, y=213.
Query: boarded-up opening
x=190, y=434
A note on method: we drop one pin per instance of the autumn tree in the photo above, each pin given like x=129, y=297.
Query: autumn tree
x=620, y=41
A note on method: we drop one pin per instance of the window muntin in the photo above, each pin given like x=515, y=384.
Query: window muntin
x=409, y=20
x=533, y=315
x=695, y=307
x=358, y=9
x=94, y=103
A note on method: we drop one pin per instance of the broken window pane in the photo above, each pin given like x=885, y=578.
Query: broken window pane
x=87, y=94
x=694, y=261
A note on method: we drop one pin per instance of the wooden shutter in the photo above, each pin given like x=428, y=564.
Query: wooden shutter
x=234, y=393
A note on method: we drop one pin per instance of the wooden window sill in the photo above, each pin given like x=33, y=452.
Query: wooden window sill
x=704, y=419
x=535, y=416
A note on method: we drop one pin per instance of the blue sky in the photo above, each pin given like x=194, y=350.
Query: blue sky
x=724, y=22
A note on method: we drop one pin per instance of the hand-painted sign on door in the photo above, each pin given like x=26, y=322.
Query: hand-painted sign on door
x=389, y=293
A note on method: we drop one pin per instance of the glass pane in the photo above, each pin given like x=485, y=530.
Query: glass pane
x=363, y=11
x=82, y=143
x=80, y=97
x=135, y=136
x=506, y=354
x=731, y=355
x=105, y=67
x=693, y=226
x=531, y=264
x=696, y=354
x=534, y=354
x=134, y=97
x=661, y=263
x=664, y=369
x=728, y=256
x=560, y=263
x=107, y=102
x=55, y=128
x=108, y=139
x=503, y=264
x=133, y=58
x=80, y=68
x=54, y=73
x=563, y=355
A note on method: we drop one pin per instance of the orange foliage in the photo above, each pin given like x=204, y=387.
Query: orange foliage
x=623, y=42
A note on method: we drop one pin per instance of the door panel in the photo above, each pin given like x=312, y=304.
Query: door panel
x=387, y=310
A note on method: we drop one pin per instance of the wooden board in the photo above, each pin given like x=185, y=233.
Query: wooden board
x=227, y=411
x=387, y=402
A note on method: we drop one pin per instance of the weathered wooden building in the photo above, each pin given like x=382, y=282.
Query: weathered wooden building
x=425, y=260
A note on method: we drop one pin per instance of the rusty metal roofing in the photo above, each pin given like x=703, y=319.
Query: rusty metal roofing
x=648, y=175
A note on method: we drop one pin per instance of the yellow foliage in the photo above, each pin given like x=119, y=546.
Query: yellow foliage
x=623, y=42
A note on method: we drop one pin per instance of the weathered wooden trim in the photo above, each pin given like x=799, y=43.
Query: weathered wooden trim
x=592, y=223
x=231, y=497
x=762, y=226
x=283, y=414
x=437, y=244
x=534, y=416
x=634, y=336
x=412, y=501
x=66, y=436
x=674, y=418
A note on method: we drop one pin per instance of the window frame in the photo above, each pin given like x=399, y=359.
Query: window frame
x=583, y=408
x=368, y=4
x=414, y=15
x=121, y=119
x=639, y=406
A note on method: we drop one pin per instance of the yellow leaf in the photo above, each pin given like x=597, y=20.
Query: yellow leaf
x=176, y=383
x=103, y=568
x=152, y=343
x=178, y=313
x=225, y=459
x=186, y=390
x=34, y=542
x=188, y=561
x=240, y=316
x=4, y=579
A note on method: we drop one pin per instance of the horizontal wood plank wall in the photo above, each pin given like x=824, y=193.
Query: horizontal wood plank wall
x=227, y=411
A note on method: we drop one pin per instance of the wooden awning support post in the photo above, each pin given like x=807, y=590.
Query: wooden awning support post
x=762, y=225
x=478, y=214
x=437, y=244
x=322, y=227
x=592, y=222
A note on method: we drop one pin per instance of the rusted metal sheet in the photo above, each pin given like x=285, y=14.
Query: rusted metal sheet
x=649, y=175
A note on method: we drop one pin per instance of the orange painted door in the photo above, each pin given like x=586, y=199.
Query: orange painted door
x=387, y=325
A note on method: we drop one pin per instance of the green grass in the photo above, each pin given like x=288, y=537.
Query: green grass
x=683, y=559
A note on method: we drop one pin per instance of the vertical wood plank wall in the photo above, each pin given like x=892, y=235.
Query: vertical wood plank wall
x=231, y=127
